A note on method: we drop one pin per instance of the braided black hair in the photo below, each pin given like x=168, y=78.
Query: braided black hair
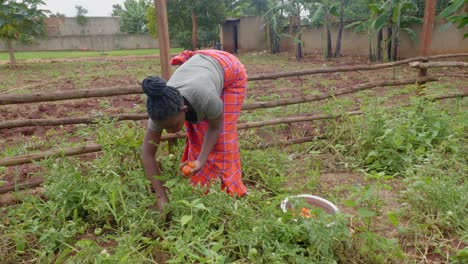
x=163, y=101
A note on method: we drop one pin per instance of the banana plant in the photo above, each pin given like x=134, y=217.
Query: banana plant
x=133, y=18
x=377, y=19
x=275, y=24
x=396, y=15
x=402, y=20
x=321, y=13
x=449, y=13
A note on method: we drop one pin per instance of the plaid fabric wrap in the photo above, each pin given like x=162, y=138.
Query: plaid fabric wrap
x=224, y=160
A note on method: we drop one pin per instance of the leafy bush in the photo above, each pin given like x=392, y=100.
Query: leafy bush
x=395, y=140
x=437, y=193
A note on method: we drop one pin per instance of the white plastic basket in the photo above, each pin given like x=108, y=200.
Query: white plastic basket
x=313, y=200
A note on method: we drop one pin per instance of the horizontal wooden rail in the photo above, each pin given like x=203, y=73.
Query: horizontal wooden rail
x=354, y=89
x=451, y=75
x=449, y=96
x=14, y=198
x=112, y=91
x=67, y=95
x=270, y=104
x=21, y=186
x=68, y=121
x=438, y=64
x=282, y=143
x=268, y=76
x=24, y=159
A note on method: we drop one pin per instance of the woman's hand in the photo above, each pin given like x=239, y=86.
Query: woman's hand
x=195, y=167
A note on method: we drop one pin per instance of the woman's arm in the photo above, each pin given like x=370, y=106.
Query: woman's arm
x=215, y=127
x=151, y=167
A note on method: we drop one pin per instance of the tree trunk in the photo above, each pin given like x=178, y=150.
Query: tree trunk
x=395, y=50
x=299, y=49
x=11, y=51
x=340, y=31
x=329, y=42
x=299, y=35
x=389, y=42
x=194, y=30
x=371, y=51
x=268, y=35
x=273, y=36
x=379, y=45
x=396, y=32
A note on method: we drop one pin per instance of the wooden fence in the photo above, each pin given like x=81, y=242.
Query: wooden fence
x=420, y=63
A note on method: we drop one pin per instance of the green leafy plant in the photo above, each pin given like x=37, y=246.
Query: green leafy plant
x=367, y=202
x=393, y=141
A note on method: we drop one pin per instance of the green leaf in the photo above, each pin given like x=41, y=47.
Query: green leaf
x=84, y=243
x=463, y=21
x=2, y=183
x=396, y=14
x=196, y=201
x=462, y=254
x=393, y=218
x=451, y=8
x=374, y=8
x=185, y=219
x=411, y=33
x=365, y=213
x=318, y=15
x=20, y=244
x=201, y=206
x=445, y=26
x=349, y=203
x=354, y=24
x=185, y=202
x=380, y=22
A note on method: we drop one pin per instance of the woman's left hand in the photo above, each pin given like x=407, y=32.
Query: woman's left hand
x=197, y=167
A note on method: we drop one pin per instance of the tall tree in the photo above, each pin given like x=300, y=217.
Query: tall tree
x=209, y=14
x=21, y=22
x=133, y=16
x=194, y=30
x=81, y=15
x=116, y=10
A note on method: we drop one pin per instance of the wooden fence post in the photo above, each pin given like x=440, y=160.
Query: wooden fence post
x=426, y=37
